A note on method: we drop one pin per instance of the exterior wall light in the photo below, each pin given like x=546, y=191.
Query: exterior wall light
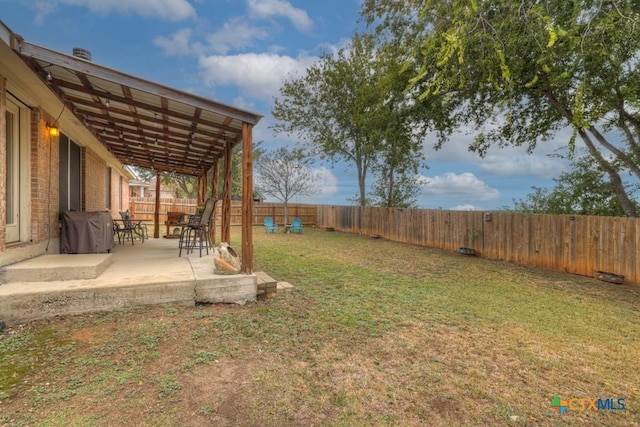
x=53, y=130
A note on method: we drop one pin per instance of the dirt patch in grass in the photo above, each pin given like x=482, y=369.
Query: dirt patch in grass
x=375, y=333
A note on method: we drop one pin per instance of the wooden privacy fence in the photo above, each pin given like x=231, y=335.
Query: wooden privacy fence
x=143, y=208
x=569, y=243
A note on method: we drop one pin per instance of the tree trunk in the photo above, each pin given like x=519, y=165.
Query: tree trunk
x=616, y=182
x=361, y=185
x=286, y=213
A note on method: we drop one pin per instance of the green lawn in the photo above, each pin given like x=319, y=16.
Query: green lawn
x=375, y=333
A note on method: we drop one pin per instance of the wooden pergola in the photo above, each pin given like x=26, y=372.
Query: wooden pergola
x=149, y=125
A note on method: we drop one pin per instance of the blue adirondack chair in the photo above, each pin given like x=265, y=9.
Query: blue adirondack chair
x=269, y=226
x=296, y=225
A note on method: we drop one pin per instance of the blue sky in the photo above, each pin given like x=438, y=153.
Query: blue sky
x=238, y=52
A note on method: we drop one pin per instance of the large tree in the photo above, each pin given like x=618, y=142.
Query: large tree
x=347, y=108
x=284, y=174
x=528, y=69
x=582, y=191
x=399, y=125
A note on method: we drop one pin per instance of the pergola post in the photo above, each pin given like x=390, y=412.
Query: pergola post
x=205, y=185
x=247, y=198
x=156, y=212
x=214, y=178
x=201, y=190
x=214, y=194
x=225, y=232
x=202, y=187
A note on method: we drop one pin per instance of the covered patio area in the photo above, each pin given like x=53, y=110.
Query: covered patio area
x=145, y=124
x=131, y=275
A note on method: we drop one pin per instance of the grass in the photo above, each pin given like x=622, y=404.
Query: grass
x=375, y=333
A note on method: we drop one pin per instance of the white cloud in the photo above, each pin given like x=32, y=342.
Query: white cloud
x=234, y=34
x=502, y=161
x=172, y=10
x=179, y=43
x=465, y=207
x=326, y=187
x=258, y=75
x=327, y=184
x=245, y=104
x=514, y=162
x=43, y=9
x=465, y=187
x=269, y=8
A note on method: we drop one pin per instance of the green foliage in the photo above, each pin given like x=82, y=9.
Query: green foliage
x=395, y=191
x=186, y=186
x=236, y=172
x=533, y=68
x=352, y=106
x=183, y=186
x=582, y=191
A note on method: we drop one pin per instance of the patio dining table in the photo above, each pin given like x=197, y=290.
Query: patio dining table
x=130, y=226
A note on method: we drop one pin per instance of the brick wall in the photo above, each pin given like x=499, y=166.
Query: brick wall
x=126, y=197
x=119, y=194
x=45, y=158
x=94, y=184
x=44, y=194
x=3, y=161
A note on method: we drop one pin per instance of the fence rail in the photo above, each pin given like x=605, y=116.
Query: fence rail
x=574, y=244
x=143, y=208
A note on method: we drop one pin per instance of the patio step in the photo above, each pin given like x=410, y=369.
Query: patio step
x=50, y=268
x=285, y=287
x=267, y=287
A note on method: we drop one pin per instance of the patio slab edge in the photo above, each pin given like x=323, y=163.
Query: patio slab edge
x=26, y=307
x=211, y=288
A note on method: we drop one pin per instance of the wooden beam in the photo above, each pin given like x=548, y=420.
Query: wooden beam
x=214, y=178
x=247, y=198
x=226, y=195
x=214, y=194
x=156, y=212
x=205, y=185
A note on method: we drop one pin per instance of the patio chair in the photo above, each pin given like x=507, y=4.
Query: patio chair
x=127, y=226
x=296, y=225
x=269, y=225
x=196, y=230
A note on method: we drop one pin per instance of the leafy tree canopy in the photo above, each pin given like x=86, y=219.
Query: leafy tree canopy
x=352, y=106
x=582, y=191
x=526, y=68
x=185, y=186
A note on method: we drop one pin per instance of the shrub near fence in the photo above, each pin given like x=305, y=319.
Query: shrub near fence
x=573, y=244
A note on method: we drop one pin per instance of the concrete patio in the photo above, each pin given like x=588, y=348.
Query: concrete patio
x=131, y=275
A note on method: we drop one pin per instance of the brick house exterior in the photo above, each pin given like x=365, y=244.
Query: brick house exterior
x=30, y=161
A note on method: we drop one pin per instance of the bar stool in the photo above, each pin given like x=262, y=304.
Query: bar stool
x=196, y=230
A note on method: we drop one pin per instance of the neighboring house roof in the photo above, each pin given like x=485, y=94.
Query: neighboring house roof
x=138, y=183
x=141, y=123
x=134, y=174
